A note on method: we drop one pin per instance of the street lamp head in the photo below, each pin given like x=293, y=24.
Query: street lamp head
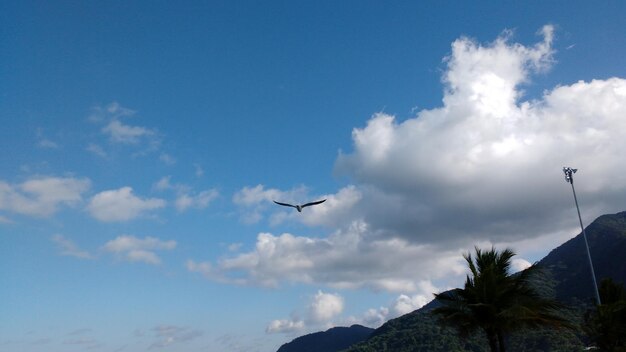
x=569, y=178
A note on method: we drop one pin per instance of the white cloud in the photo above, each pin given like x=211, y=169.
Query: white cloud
x=44, y=142
x=405, y=304
x=373, y=317
x=167, y=159
x=349, y=258
x=254, y=201
x=248, y=196
x=96, y=150
x=325, y=306
x=324, y=311
x=118, y=132
x=136, y=249
x=321, y=310
x=69, y=248
x=285, y=326
x=401, y=305
x=42, y=196
x=198, y=201
x=117, y=110
x=185, y=197
x=139, y=255
x=164, y=184
x=47, y=144
x=486, y=166
x=166, y=335
x=121, y=205
x=519, y=264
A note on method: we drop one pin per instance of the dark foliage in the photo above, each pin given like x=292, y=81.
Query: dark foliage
x=496, y=302
x=606, y=324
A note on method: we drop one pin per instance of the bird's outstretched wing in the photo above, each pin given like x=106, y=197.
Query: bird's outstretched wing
x=314, y=203
x=285, y=204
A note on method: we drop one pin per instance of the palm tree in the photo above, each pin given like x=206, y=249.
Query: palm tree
x=496, y=301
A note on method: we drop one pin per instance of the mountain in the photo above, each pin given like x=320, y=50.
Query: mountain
x=568, y=263
x=332, y=340
x=566, y=276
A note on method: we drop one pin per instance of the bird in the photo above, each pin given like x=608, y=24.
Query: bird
x=300, y=207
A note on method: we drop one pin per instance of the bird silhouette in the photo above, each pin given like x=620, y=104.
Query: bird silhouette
x=300, y=207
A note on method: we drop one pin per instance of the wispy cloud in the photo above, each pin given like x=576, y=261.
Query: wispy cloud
x=186, y=198
x=96, y=150
x=167, y=159
x=118, y=132
x=44, y=142
x=199, y=171
x=121, y=134
x=167, y=335
x=69, y=248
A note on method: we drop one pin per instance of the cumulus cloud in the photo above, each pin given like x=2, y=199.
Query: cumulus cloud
x=519, y=264
x=135, y=249
x=401, y=305
x=42, y=196
x=322, y=309
x=121, y=205
x=69, y=248
x=325, y=306
x=487, y=165
x=346, y=259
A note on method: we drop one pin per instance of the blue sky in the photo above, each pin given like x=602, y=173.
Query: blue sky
x=142, y=144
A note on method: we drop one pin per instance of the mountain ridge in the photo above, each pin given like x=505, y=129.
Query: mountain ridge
x=332, y=340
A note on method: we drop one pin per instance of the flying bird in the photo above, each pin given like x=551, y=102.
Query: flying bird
x=299, y=207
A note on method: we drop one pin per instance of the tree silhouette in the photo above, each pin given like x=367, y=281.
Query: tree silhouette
x=495, y=301
x=606, y=325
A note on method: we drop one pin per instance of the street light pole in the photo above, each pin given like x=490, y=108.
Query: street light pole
x=569, y=178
